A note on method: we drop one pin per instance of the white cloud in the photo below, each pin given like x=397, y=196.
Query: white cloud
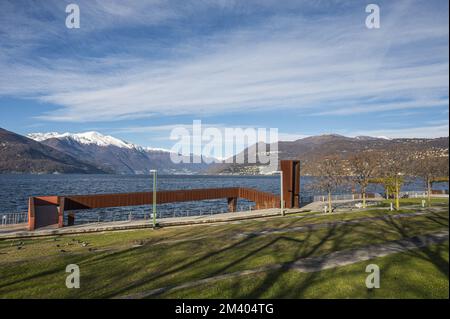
x=331, y=65
x=382, y=106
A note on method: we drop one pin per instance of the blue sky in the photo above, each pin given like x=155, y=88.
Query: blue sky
x=137, y=70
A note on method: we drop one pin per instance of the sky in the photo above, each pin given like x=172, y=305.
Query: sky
x=137, y=69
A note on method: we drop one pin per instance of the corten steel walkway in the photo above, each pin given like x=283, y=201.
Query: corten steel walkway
x=46, y=211
x=49, y=210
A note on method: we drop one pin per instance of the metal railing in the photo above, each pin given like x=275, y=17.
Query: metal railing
x=324, y=198
x=419, y=194
x=80, y=203
x=13, y=218
x=142, y=215
x=413, y=194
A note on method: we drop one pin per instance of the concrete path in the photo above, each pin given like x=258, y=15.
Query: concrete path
x=314, y=264
x=20, y=231
x=12, y=229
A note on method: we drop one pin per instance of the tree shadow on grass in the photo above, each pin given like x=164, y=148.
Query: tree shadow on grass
x=425, y=253
x=333, y=234
x=298, y=289
x=438, y=219
x=177, y=269
x=242, y=244
x=52, y=271
x=331, y=239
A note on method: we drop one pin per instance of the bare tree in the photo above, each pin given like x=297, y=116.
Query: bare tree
x=364, y=167
x=430, y=169
x=330, y=177
x=393, y=169
x=391, y=184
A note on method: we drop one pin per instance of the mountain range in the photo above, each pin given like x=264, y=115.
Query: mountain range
x=114, y=155
x=19, y=154
x=86, y=153
x=311, y=150
x=92, y=152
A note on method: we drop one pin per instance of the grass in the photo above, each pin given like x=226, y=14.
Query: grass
x=435, y=202
x=126, y=262
x=399, y=278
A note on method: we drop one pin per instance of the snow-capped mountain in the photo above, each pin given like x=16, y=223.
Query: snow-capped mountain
x=156, y=149
x=85, y=138
x=113, y=154
x=19, y=154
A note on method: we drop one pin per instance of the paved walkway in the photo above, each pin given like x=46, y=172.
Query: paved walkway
x=20, y=231
x=319, y=263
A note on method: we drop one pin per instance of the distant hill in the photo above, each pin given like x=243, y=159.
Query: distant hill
x=92, y=152
x=115, y=155
x=19, y=154
x=311, y=150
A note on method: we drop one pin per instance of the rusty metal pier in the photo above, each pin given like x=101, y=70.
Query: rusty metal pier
x=46, y=211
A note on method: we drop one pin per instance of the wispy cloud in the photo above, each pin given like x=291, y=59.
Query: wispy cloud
x=308, y=64
x=381, y=106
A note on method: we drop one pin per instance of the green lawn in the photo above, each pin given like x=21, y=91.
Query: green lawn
x=115, y=264
x=400, y=278
x=435, y=202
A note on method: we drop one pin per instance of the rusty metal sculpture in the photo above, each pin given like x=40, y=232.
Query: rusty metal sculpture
x=49, y=210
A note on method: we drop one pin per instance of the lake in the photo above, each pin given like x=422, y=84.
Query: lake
x=16, y=188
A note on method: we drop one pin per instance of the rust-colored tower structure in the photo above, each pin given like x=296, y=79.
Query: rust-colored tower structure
x=291, y=182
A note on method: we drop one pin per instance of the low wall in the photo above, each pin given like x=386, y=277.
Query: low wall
x=439, y=191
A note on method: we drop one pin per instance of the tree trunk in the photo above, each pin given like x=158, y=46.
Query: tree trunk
x=429, y=192
x=397, y=195
x=329, y=203
x=364, y=197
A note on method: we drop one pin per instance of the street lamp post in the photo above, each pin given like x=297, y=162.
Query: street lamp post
x=154, y=196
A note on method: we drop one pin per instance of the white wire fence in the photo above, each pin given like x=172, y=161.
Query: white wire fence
x=404, y=194
x=413, y=194
x=324, y=198
x=147, y=214
x=421, y=194
x=13, y=218
x=136, y=214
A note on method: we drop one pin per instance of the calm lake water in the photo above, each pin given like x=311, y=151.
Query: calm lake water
x=15, y=190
